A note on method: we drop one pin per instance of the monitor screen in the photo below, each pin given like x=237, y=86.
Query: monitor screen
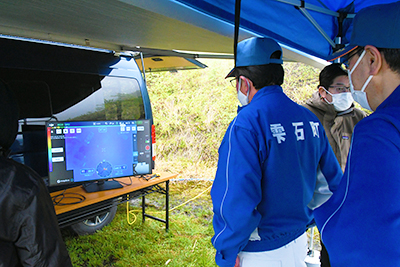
x=83, y=151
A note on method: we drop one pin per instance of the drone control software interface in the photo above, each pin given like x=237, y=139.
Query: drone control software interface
x=94, y=150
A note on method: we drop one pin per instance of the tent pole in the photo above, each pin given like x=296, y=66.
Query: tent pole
x=144, y=73
x=302, y=3
x=316, y=25
x=237, y=24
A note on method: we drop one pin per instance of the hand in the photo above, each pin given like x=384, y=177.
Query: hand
x=237, y=264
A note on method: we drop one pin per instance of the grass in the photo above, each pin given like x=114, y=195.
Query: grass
x=191, y=110
x=187, y=243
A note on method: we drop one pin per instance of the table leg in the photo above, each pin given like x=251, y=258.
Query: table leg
x=167, y=205
x=143, y=208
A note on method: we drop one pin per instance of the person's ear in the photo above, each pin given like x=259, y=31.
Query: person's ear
x=251, y=85
x=245, y=84
x=248, y=82
x=322, y=91
x=375, y=59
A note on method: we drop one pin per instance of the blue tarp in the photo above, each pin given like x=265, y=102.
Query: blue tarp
x=297, y=24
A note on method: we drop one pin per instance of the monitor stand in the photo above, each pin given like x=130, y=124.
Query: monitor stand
x=101, y=186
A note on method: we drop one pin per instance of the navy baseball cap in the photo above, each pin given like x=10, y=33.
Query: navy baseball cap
x=377, y=25
x=256, y=51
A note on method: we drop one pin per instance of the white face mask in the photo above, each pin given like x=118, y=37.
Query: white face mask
x=340, y=102
x=243, y=99
x=360, y=96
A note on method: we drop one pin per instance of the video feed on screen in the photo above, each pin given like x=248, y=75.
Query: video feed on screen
x=95, y=150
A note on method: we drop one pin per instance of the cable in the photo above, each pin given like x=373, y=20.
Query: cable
x=184, y=203
x=191, y=179
x=147, y=177
x=125, y=184
x=131, y=211
x=60, y=197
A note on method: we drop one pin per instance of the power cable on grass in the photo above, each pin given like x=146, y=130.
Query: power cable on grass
x=131, y=212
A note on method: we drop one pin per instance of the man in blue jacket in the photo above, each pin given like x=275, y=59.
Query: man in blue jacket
x=271, y=160
x=360, y=224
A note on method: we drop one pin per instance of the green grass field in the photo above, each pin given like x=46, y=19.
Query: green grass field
x=187, y=243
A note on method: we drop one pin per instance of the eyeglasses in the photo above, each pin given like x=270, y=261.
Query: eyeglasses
x=340, y=89
x=346, y=59
x=233, y=82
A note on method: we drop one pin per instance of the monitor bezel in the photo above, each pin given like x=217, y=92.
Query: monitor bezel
x=94, y=185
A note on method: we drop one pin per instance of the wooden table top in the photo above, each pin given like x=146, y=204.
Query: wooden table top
x=92, y=198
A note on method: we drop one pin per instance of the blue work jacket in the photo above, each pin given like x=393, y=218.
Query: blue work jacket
x=267, y=174
x=360, y=224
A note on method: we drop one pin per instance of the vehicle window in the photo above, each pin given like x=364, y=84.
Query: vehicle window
x=117, y=99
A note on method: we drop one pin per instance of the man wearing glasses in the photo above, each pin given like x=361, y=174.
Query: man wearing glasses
x=360, y=223
x=269, y=160
x=333, y=105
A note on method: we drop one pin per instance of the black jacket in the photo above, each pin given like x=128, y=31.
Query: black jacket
x=29, y=232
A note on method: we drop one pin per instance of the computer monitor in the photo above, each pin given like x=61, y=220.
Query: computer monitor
x=96, y=151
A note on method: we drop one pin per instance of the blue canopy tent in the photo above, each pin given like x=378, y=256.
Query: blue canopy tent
x=315, y=27
x=307, y=30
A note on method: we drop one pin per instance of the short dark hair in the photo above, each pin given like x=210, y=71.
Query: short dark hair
x=263, y=75
x=391, y=56
x=329, y=73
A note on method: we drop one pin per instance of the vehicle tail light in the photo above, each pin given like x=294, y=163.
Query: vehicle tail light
x=153, y=141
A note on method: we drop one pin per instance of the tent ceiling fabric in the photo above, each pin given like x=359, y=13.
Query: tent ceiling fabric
x=297, y=24
x=107, y=24
x=186, y=25
x=114, y=24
